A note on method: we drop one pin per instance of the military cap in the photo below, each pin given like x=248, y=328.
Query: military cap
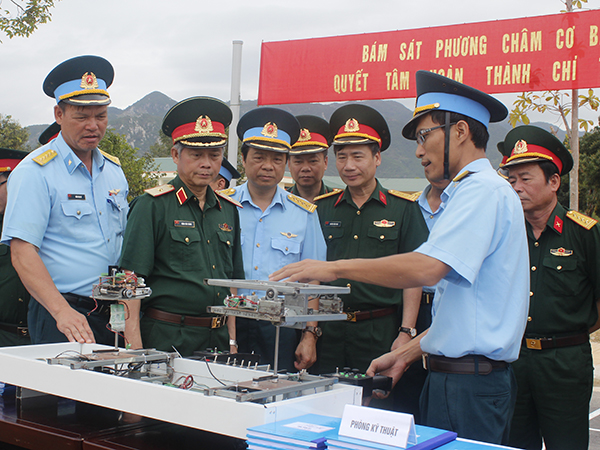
x=528, y=143
x=438, y=93
x=359, y=124
x=501, y=170
x=49, y=133
x=198, y=122
x=227, y=170
x=268, y=129
x=10, y=158
x=315, y=136
x=81, y=81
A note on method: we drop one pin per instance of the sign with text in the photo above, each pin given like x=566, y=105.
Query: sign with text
x=560, y=51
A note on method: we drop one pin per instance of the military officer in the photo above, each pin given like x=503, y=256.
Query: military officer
x=67, y=208
x=554, y=370
x=308, y=158
x=181, y=233
x=366, y=221
x=226, y=173
x=277, y=228
x=14, y=298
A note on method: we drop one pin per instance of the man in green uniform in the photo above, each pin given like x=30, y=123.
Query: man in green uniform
x=308, y=158
x=366, y=221
x=181, y=233
x=554, y=370
x=14, y=298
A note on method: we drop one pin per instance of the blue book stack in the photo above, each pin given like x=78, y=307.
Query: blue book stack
x=427, y=439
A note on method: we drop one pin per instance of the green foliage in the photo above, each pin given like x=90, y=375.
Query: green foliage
x=12, y=134
x=162, y=148
x=25, y=16
x=138, y=170
x=589, y=173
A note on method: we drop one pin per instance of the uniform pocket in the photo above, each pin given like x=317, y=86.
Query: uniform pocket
x=185, y=249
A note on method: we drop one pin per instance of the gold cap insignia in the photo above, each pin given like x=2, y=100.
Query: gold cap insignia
x=520, y=147
x=384, y=223
x=269, y=130
x=304, y=135
x=203, y=125
x=89, y=81
x=560, y=252
x=289, y=235
x=351, y=126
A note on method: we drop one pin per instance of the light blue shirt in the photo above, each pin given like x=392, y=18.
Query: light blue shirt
x=430, y=217
x=480, y=307
x=75, y=218
x=283, y=234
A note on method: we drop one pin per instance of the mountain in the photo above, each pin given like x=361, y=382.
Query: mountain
x=141, y=123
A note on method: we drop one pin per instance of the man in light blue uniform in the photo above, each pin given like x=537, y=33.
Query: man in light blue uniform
x=278, y=228
x=476, y=254
x=67, y=208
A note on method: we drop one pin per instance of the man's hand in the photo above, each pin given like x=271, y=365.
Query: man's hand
x=306, y=352
x=74, y=326
x=305, y=271
x=390, y=365
x=403, y=338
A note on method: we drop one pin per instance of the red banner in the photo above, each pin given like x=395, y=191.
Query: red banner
x=560, y=51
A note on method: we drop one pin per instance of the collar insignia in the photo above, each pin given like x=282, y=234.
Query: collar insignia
x=558, y=224
x=181, y=196
x=225, y=227
x=520, y=147
x=384, y=223
x=203, y=125
x=351, y=126
x=304, y=135
x=269, y=130
x=289, y=235
x=560, y=252
x=89, y=81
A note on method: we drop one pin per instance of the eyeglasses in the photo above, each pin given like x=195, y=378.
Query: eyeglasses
x=422, y=134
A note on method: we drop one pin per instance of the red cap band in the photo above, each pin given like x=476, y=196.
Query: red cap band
x=535, y=151
x=190, y=130
x=363, y=131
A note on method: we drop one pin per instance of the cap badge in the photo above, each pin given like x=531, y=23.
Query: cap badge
x=89, y=81
x=304, y=135
x=203, y=125
x=520, y=147
x=269, y=130
x=351, y=126
x=560, y=252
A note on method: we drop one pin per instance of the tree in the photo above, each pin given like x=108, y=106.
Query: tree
x=138, y=170
x=12, y=134
x=24, y=16
x=162, y=147
x=589, y=181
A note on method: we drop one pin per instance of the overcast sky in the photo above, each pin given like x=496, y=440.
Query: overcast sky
x=184, y=47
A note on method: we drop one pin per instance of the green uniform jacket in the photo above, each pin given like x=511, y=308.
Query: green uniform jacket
x=14, y=298
x=324, y=189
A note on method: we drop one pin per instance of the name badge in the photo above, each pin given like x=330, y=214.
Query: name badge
x=76, y=196
x=331, y=223
x=184, y=223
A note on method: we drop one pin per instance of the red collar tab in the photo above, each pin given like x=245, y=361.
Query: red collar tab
x=382, y=198
x=203, y=126
x=181, y=196
x=524, y=150
x=354, y=129
x=558, y=224
x=339, y=198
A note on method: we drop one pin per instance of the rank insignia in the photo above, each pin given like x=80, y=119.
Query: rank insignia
x=289, y=235
x=114, y=191
x=45, y=157
x=520, y=147
x=332, y=223
x=89, y=81
x=203, y=125
x=582, y=220
x=181, y=196
x=558, y=224
x=382, y=198
x=351, y=126
x=299, y=201
x=384, y=223
x=304, y=135
x=560, y=252
x=269, y=130
x=184, y=223
x=160, y=190
x=225, y=227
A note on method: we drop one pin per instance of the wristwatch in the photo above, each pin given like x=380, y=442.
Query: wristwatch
x=316, y=331
x=233, y=342
x=412, y=332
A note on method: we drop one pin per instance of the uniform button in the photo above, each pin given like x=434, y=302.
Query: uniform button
x=187, y=239
x=214, y=267
x=100, y=212
x=531, y=293
x=208, y=241
x=255, y=267
x=537, y=244
x=533, y=268
x=108, y=239
x=529, y=319
x=228, y=243
x=258, y=245
x=21, y=300
x=431, y=216
x=355, y=236
x=559, y=267
x=358, y=213
x=348, y=285
x=329, y=237
x=286, y=249
x=218, y=294
x=78, y=213
x=382, y=237
x=260, y=220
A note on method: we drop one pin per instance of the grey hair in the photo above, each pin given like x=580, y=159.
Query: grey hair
x=178, y=146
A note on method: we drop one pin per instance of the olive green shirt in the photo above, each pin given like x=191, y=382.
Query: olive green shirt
x=384, y=225
x=324, y=189
x=14, y=298
x=175, y=245
x=565, y=277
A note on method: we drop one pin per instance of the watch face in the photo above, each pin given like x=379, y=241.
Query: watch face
x=413, y=332
x=318, y=331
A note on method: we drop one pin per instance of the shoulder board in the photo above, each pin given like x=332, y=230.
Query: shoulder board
x=328, y=194
x=461, y=176
x=44, y=158
x=582, y=220
x=160, y=190
x=228, y=198
x=111, y=157
x=304, y=204
x=229, y=191
x=405, y=195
